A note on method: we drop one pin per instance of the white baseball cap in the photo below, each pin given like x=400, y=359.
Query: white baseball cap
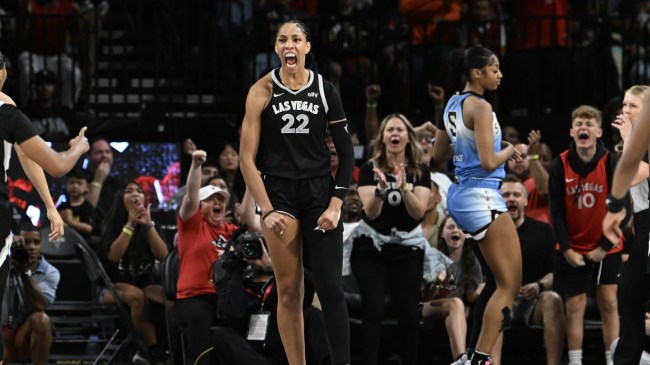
x=209, y=190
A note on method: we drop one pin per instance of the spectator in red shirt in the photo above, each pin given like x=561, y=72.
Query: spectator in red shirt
x=201, y=230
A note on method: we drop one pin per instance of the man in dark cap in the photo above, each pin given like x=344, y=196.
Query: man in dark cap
x=52, y=121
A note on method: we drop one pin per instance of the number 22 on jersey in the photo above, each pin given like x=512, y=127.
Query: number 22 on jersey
x=302, y=121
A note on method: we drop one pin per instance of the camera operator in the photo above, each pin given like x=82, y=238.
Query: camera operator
x=247, y=307
x=31, y=287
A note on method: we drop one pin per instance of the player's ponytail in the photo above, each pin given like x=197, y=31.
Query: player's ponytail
x=463, y=61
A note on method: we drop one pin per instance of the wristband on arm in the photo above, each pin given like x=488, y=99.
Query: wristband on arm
x=406, y=187
x=615, y=205
x=605, y=244
x=266, y=214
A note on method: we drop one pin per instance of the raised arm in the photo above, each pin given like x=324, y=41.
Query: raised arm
x=55, y=163
x=537, y=170
x=437, y=95
x=102, y=171
x=624, y=126
x=371, y=122
x=634, y=149
x=190, y=203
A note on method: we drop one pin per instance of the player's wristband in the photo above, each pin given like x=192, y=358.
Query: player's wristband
x=267, y=214
x=614, y=205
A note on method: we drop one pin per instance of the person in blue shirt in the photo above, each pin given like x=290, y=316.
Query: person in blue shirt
x=472, y=135
x=27, y=330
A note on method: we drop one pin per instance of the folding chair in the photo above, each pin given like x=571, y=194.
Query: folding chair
x=78, y=330
x=117, y=344
x=61, y=253
x=169, y=279
x=62, y=248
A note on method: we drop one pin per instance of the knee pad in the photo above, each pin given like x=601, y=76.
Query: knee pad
x=507, y=319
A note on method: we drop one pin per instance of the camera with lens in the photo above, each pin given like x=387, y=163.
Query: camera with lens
x=232, y=262
x=249, y=246
x=20, y=257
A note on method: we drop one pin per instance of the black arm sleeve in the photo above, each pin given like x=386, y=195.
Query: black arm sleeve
x=556, y=203
x=343, y=144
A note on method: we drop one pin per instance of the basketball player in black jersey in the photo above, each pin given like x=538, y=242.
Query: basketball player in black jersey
x=283, y=136
x=16, y=131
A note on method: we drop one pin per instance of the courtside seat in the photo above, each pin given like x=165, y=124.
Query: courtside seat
x=121, y=341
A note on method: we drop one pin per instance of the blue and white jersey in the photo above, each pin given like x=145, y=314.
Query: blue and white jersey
x=466, y=160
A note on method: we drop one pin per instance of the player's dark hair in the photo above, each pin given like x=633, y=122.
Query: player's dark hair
x=301, y=26
x=464, y=61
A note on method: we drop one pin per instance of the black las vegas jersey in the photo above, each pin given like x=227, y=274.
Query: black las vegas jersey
x=294, y=124
x=15, y=127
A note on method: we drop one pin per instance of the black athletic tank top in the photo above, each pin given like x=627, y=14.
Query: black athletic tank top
x=15, y=127
x=294, y=125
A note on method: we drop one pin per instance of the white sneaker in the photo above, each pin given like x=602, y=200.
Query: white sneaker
x=462, y=360
x=139, y=359
x=612, y=347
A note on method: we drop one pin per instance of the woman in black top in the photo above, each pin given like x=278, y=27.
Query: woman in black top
x=389, y=246
x=288, y=112
x=130, y=245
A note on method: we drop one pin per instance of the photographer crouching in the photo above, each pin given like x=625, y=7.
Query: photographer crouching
x=31, y=287
x=247, y=308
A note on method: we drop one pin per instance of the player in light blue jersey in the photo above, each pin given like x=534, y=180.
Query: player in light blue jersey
x=472, y=134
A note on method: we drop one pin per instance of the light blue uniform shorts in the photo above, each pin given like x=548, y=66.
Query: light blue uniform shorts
x=475, y=206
